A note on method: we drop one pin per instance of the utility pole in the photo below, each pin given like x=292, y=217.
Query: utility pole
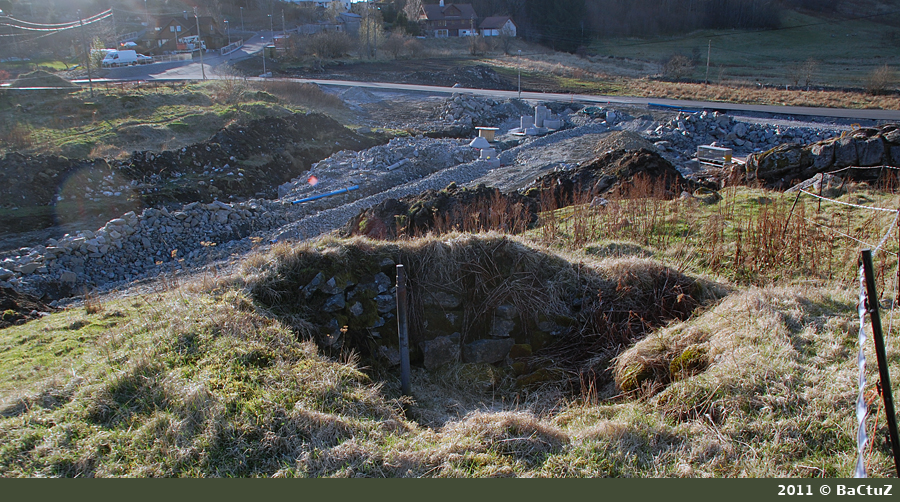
x=87, y=54
x=708, y=51
x=200, y=43
x=242, y=23
x=283, y=30
x=519, y=66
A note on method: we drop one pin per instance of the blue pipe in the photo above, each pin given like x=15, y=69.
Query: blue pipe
x=329, y=194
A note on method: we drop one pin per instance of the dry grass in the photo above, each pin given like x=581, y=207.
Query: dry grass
x=633, y=77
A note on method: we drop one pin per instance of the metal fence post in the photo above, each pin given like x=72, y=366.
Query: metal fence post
x=402, y=330
x=886, y=393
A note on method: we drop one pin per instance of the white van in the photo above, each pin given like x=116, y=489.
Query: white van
x=119, y=58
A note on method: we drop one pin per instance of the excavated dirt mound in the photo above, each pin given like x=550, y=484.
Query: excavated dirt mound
x=238, y=162
x=619, y=172
x=476, y=77
x=242, y=160
x=453, y=208
x=41, y=78
x=19, y=308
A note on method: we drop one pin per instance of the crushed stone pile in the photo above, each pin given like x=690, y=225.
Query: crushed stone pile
x=623, y=140
x=133, y=246
x=686, y=131
x=401, y=160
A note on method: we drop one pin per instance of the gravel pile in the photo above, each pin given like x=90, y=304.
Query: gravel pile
x=473, y=111
x=374, y=170
x=135, y=246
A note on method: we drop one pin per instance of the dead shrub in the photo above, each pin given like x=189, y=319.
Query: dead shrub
x=678, y=67
x=880, y=80
x=328, y=44
x=395, y=45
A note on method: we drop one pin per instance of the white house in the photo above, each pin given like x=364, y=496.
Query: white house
x=496, y=26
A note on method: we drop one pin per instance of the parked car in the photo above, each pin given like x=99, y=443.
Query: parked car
x=142, y=59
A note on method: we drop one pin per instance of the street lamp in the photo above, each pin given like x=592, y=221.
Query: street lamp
x=227, y=32
x=519, y=66
x=242, y=22
x=147, y=13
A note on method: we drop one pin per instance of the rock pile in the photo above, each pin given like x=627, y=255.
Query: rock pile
x=463, y=112
x=134, y=245
x=686, y=131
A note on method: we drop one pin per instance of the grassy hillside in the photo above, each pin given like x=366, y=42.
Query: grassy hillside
x=150, y=116
x=204, y=379
x=845, y=50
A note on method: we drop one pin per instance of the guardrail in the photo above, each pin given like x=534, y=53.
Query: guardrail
x=166, y=58
x=228, y=49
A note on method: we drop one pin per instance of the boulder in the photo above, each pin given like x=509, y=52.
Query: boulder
x=822, y=155
x=440, y=351
x=334, y=303
x=487, y=351
x=870, y=152
x=845, y=153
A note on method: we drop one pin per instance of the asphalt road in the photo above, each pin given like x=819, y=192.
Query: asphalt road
x=184, y=70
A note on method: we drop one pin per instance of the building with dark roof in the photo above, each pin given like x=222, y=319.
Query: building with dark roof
x=450, y=20
x=497, y=25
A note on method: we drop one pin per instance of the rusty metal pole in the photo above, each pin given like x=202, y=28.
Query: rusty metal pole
x=875, y=318
x=402, y=330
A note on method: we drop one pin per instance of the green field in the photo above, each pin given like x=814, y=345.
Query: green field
x=846, y=52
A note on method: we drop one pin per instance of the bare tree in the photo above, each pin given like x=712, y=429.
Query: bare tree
x=506, y=39
x=810, y=68
x=412, y=8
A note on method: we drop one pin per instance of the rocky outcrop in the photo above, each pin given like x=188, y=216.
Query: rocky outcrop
x=782, y=166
